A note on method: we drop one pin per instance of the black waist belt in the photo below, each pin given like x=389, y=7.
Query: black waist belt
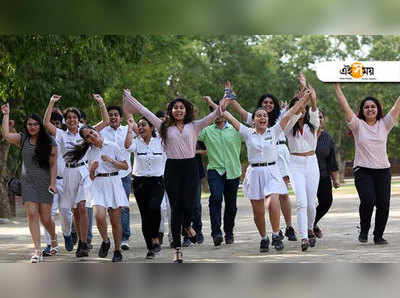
x=58, y=177
x=263, y=164
x=281, y=142
x=107, y=174
x=75, y=165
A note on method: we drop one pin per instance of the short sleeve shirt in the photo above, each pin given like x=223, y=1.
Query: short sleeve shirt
x=370, y=142
x=261, y=148
x=110, y=149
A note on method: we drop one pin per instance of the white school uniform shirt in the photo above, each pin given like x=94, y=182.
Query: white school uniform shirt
x=110, y=149
x=306, y=141
x=66, y=142
x=261, y=148
x=118, y=136
x=149, y=159
x=281, y=137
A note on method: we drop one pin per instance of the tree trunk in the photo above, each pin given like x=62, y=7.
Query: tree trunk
x=4, y=201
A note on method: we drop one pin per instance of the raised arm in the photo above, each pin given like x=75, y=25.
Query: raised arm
x=232, y=120
x=129, y=135
x=395, y=111
x=313, y=97
x=210, y=102
x=293, y=111
x=238, y=108
x=132, y=106
x=200, y=124
x=47, y=115
x=12, y=138
x=348, y=112
x=105, y=120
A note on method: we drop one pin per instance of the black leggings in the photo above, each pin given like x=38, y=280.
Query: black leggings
x=325, y=198
x=373, y=187
x=149, y=192
x=181, y=178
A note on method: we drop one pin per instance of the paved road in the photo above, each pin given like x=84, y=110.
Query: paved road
x=338, y=245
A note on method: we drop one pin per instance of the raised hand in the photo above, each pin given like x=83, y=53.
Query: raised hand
x=223, y=103
x=98, y=98
x=302, y=80
x=228, y=92
x=130, y=121
x=5, y=109
x=208, y=100
x=54, y=98
x=313, y=95
x=127, y=92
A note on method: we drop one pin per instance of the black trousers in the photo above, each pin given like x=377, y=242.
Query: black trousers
x=149, y=192
x=373, y=187
x=324, y=195
x=181, y=182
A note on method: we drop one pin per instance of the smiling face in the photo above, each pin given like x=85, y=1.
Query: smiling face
x=32, y=127
x=115, y=118
x=145, y=130
x=179, y=111
x=260, y=120
x=370, y=110
x=71, y=120
x=268, y=104
x=91, y=136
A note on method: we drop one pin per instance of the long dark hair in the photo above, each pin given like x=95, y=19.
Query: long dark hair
x=275, y=113
x=153, y=133
x=44, y=143
x=79, y=150
x=171, y=120
x=379, y=113
x=296, y=127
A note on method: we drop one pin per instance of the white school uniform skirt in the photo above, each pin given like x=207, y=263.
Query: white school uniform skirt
x=260, y=182
x=76, y=187
x=283, y=159
x=108, y=192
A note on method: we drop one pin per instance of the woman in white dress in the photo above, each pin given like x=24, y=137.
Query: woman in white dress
x=272, y=106
x=263, y=183
x=76, y=181
x=105, y=159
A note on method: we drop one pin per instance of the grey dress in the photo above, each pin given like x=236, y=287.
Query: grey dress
x=35, y=180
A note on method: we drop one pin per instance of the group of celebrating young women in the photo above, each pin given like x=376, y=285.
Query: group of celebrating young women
x=81, y=166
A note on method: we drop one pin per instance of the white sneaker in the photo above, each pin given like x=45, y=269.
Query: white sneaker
x=125, y=245
x=36, y=257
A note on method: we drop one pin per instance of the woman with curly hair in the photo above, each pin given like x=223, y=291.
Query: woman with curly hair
x=179, y=133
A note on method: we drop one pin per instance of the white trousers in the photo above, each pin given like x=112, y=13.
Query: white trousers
x=165, y=216
x=304, y=177
x=66, y=213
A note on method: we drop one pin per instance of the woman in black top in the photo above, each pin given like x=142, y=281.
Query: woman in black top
x=328, y=169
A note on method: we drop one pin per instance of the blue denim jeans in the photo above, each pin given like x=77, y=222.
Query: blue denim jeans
x=125, y=222
x=197, y=224
x=90, y=225
x=220, y=188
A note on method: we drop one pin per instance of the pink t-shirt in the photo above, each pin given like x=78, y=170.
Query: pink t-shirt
x=179, y=144
x=370, y=142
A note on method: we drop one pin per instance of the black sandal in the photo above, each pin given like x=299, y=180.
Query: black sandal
x=178, y=256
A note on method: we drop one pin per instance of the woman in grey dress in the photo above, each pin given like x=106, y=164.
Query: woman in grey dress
x=38, y=176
